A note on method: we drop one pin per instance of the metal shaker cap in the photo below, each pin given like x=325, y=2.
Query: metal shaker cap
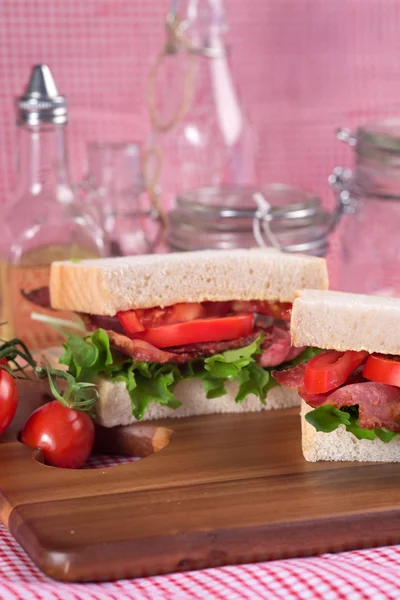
x=42, y=102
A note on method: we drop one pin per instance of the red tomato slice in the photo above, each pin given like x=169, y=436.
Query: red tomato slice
x=200, y=330
x=382, y=369
x=217, y=309
x=330, y=369
x=185, y=311
x=277, y=310
x=134, y=321
x=150, y=317
x=130, y=321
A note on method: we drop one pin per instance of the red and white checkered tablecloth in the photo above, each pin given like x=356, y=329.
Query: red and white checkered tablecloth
x=366, y=574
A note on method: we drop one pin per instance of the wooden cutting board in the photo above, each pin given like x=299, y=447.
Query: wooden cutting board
x=227, y=489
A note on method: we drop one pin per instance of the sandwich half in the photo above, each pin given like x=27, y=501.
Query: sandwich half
x=350, y=390
x=184, y=334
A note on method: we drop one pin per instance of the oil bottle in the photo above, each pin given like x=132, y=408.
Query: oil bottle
x=44, y=222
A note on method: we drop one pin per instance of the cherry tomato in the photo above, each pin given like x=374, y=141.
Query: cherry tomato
x=64, y=435
x=382, y=369
x=8, y=397
x=200, y=330
x=330, y=369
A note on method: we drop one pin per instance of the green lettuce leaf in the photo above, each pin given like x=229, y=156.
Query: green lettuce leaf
x=254, y=380
x=155, y=389
x=235, y=365
x=86, y=357
x=214, y=388
x=147, y=382
x=327, y=418
x=91, y=356
x=234, y=360
x=385, y=435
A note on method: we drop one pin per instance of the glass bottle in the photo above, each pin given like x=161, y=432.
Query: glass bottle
x=201, y=136
x=44, y=223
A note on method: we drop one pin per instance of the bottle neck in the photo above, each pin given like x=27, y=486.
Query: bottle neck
x=42, y=162
x=202, y=26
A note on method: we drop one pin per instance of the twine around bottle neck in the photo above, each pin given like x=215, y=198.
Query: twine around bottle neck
x=176, y=41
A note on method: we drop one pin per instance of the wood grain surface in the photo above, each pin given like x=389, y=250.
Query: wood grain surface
x=225, y=489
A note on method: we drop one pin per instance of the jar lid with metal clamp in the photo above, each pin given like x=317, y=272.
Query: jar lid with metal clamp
x=376, y=170
x=276, y=215
x=370, y=193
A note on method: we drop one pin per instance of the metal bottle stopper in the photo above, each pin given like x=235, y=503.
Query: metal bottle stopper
x=42, y=102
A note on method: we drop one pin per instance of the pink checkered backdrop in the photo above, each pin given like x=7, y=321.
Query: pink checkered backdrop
x=303, y=68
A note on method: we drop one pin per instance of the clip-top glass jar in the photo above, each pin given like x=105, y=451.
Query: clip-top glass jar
x=371, y=241
x=277, y=215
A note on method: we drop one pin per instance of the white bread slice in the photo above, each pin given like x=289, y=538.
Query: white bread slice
x=342, y=321
x=340, y=445
x=106, y=286
x=114, y=405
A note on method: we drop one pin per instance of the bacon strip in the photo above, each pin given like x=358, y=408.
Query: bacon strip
x=276, y=346
x=40, y=297
x=294, y=353
x=292, y=378
x=93, y=322
x=378, y=404
x=209, y=348
x=314, y=400
x=144, y=352
x=141, y=351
